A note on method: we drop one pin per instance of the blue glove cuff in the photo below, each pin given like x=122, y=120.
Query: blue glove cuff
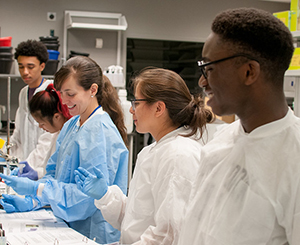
x=35, y=188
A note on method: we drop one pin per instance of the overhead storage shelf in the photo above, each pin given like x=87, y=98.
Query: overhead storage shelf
x=96, y=21
x=90, y=20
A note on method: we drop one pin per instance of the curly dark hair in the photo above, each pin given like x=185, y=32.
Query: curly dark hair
x=32, y=48
x=259, y=34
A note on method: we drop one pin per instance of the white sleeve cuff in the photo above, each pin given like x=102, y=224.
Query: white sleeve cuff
x=112, y=206
x=40, y=189
x=34, y=202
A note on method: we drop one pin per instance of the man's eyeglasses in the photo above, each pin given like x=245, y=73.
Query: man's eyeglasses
x=133, y=102
x=202, y=64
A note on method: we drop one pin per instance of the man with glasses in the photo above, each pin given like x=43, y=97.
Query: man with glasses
x=247, y=190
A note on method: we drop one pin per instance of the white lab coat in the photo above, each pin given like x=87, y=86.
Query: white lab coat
x=31, y=143
x=247, y=190
x=158, y=192
x=42, y=169
x=210, y=130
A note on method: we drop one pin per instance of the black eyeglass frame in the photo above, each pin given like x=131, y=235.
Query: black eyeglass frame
x=133, y=102
x=202, y=64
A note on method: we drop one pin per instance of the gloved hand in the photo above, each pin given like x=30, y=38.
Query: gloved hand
x=22, y=186
x=28, y=171
x=13, y=203
x=14, y=172
x=94, y=186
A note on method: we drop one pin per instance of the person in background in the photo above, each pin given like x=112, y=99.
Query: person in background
x=161, y=183
x=247, y=189
x=90, y=140
x=29, y=143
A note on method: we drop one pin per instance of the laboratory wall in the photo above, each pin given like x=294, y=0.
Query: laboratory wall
x=182, y=20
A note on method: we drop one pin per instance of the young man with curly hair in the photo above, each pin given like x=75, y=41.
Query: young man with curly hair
x=29, y=142
x=247, y=190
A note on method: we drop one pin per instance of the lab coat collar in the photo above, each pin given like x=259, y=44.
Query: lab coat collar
x=270, y=128
x=174, y=133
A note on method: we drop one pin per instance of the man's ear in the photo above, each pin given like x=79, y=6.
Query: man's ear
x=42, y=66
x=252, y=72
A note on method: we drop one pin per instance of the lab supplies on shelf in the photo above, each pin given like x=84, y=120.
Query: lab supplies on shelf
x=115, y=75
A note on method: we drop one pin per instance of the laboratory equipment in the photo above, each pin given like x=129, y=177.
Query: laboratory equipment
x=2, y=236
x=115, y=75
x=2, y=109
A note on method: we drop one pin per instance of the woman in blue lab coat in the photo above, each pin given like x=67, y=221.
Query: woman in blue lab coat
x=89, y=139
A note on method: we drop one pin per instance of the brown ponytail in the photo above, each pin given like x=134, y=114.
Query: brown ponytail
x=112, y=105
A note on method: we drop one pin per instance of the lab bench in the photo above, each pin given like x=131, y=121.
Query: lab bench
x=39, y=227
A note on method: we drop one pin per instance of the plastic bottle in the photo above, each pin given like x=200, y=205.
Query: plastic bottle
x=126, y=106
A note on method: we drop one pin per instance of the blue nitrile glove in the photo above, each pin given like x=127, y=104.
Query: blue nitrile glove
x=22, y=186
x=94, y=186
x=28, y=171
x=13, y=203
x=14, y=172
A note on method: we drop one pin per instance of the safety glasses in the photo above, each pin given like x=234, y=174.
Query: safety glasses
x=133, y=102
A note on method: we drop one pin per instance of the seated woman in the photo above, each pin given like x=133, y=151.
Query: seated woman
x=89, y=140
x=164, y=171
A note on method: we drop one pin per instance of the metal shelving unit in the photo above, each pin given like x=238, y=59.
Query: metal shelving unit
x=94, y=20
x=179, y=56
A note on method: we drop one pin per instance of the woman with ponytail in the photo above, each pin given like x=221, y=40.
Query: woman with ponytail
x=48, y=111
x=162, y=179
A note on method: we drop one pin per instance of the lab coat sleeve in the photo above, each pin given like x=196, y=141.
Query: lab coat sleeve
x=67, y=202
x=295, y=236
x=171, y=188
x=36, y=158
x=288, y=210
x=112, y=206
x=15, y=139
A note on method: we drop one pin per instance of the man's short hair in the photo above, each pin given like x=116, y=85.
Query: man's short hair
x=259, y=34
x=32, y=48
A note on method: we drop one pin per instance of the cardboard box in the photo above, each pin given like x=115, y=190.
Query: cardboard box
x=295, y=5
x=284, y=16
x=295, y=62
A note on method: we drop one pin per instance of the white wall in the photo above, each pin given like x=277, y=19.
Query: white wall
x=183, y=20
